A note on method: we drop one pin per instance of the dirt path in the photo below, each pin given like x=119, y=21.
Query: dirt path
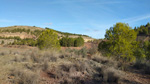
x=136, y=77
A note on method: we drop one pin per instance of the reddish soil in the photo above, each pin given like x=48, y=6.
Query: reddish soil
x=136, y=77
x=47, y=78
x=87, y=45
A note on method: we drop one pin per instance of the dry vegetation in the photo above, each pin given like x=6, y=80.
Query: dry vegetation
x=32, y=28
x=21, y=64
x=28, y=65
x=32, y=66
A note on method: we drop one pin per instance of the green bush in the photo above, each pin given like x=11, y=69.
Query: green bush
x=48, y=40
x=79, y=42
x=103, y=47
x=15, y=37
x=28, y=31
x=71, y=42
x=121, y=42
x=64, y=42
x=142, y=51
x=27, y=41
x=2, y=42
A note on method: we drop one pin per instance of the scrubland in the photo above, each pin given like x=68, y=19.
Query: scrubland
x=29, y=65
x=118, y=59
x=33, y=66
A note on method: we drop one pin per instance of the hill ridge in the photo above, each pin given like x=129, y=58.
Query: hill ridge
x=33, y=32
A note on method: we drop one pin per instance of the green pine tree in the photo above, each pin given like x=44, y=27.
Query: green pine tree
x=48, y=40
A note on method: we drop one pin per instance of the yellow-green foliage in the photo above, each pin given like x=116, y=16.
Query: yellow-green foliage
x=122, y=41
x=48, y=40
x=142, y=52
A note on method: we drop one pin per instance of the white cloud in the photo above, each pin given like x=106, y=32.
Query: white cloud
x=6, y=20
x=48, y=23
x=103, y=2
x=137, y=18
x=110, y=2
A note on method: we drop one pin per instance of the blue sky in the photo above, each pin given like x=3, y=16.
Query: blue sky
x=90, y=17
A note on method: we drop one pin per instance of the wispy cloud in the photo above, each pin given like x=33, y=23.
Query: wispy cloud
x=109, y=2
x=91, y=30
x=67, y=1
x=137, y=18
x=6, y=20
x=48, y=23
x=104, y=2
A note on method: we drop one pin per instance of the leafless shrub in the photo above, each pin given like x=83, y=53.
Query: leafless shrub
x=72, y=69
x=32, y=67
x=3, y=53
x=50, y=56
x=45, y=66
x=34, y=57
x=25, y=58
x=16, y=53
x=17, y=59
x=109, y=75
x=24, y=77
x=82, y=66
x=61, y=56
x=10, y=51
x=93, y=50
x=27, y=53
x=65, y=67
x=104, y=60
x=82, y=52
x=53, y=59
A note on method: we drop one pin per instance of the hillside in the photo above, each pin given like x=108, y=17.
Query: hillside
x=143, y=32
x=33, y=32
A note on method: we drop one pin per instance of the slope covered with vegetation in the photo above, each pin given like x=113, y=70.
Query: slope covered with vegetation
x=27, y=35
x=33, y=30
x=119, y=59
x=143, y=29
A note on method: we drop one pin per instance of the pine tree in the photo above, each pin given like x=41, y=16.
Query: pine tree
x=121, y=41
x=48, y=40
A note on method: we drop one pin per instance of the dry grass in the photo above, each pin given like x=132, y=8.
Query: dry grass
x=33, y=66
x=21, y=27
x=24, y=77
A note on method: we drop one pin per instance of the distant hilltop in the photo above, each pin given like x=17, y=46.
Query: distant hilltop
x=34, y=32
